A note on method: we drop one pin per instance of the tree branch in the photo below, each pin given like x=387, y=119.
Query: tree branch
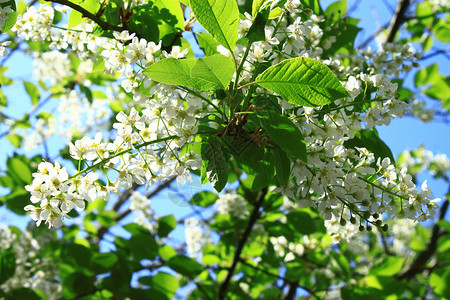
x=418, y=265
x=251, y=222
x=103, y=230
x=398, y=19
x=104, y=25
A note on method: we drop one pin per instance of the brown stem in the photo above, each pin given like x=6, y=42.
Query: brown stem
x=103, y=230
x=419, y=264
x=398, y=19
x=251, y=222
x=94, y=17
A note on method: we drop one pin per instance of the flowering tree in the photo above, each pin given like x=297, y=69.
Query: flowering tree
x=278, y=114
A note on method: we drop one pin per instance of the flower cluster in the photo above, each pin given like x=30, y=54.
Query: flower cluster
x=420, y=159
x=32, y=271
x=141, y=207
x=347, y=185
x=197, y=235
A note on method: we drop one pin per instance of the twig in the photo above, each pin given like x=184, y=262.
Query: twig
x=103, y=230
x=398, y=19
x=104, y=25
x=418, y=265
x=437, y=52
x=251, y=222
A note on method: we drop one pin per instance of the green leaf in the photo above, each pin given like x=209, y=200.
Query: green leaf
x=7, y=264
x=336, y=10
x=210, y=259
x=312, y=4
x=204, y=198
x=264, y=172
x=77, y=284
x=142, y=244
x=301, y=222
x=442, y=32
x=185, y=266
x=157, y=20
x=76, y=18
x=389, y=267
x=166, y=225
x=440, y=90
x=427, y=75
x=217, y=70
x=172, y=71
x=165, y=283
x=14, y=139
x=284, y=133
x=166, y=252
x=104, y=260
x=207, y=43
x=19, y=168
x=302, y=81
x=439, y=283
x=32, y=91
x=257, y=31
x=220, y=18
x=215, y=166
x=256, y=5
x=282, y=166
x=11, y=17
x=17, y=200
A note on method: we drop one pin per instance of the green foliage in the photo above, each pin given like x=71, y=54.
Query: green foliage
x=285, y=134
x=209, y=73
x=214, y=167
x=219, y=18
x=302, y=81
x=158, y=20
x=32, y=91
x=11, y=17
x=76, y=18
x=7, y=264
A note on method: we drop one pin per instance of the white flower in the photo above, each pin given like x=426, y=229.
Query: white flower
x=123, y=36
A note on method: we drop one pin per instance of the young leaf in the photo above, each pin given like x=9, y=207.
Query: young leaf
x=282, y=166
x=76, y=18
x=256, y=5
x=204, y=198
x=216, y=70
x=165, y=225
x=284, y=133
x=215, y=166
x=303, y=81
x=209, y=73
x=185, y=266
x=207, y=43
x=11, y=17
x=172, y=71
x=220, y=18
x=7, y=264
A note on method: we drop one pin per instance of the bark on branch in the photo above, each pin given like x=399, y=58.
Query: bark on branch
x=419, y=264
x=251, y=222
x=104, y=25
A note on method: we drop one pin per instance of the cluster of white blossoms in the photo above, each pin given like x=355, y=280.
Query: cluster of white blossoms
x=93, y=115
x=344, y=184
x=420, y=159
x=145, y=216
x=232, y=203
x=197, y=235
x=32, y=271
x=286, y=249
